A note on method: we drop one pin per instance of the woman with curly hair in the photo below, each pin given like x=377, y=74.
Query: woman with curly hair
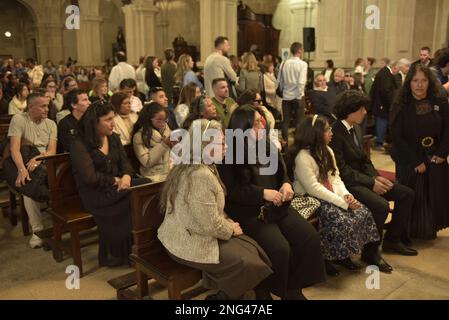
x=420, y=133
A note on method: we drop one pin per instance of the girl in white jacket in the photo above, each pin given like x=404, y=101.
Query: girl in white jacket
x=345, y=224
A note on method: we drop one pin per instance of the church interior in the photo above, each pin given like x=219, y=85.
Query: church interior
x=81, y=38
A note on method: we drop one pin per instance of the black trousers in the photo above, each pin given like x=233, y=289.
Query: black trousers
x=293, y=246
x=403, y=202
x=291, y=107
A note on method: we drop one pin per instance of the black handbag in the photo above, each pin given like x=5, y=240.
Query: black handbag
x=37, y=187
x=269, y=213
x=279, y=90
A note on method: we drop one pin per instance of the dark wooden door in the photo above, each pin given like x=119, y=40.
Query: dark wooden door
x=256, y=29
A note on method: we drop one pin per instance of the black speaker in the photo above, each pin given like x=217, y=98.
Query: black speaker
x=308, y=35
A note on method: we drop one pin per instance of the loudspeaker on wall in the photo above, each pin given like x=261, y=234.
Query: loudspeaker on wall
x=309, y=39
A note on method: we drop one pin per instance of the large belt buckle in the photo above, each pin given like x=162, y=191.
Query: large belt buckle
x=427, y=142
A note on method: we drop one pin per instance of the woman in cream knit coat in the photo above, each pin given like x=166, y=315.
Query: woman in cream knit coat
x=196, y=232
x=345, y=224
x=18, y=103
x=125, y=118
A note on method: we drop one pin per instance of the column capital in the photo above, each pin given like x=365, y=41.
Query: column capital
x=86, y=18
x=49, y=25
x=141, y=8
x=302, y=4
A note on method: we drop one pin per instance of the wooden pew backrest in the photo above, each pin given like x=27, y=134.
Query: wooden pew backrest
x=61, y=183
x=129, y=149
x=147, y=217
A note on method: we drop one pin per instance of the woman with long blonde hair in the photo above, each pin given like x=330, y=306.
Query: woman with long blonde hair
x=250, y=75
x=188, y=93
x=184, y=73
x=99, y=91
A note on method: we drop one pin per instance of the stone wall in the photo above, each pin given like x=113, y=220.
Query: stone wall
x=341, y=35
x=19, y=22
x=182, y=20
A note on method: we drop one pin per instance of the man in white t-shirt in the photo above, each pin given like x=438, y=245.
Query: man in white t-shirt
x=35, y=127
x=292, y=80
x=121, y=71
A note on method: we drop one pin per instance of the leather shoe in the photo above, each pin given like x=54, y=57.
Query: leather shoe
x=262, y=294
x=348, y=264
x=330, y=269
x=406, y=241
x=379, y=262
x=294, y=295
x=220, y=295
x=398, y=248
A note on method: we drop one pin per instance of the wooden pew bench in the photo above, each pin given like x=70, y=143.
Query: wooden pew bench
x=148, y=254
x=10, y=207
x=66, y=210
x=129, y=150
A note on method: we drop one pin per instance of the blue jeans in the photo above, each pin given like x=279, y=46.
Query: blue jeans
x=381, y=130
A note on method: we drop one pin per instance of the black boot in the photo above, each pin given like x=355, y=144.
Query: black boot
x=330, y=269
x=294, y=294
x=262, y=294
x=220, y=295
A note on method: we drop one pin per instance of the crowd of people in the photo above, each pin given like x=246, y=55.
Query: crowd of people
x=245, y=230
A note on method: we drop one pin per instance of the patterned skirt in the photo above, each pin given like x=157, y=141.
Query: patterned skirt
x=345, y=232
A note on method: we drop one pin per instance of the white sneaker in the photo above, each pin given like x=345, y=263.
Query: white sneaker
x=35, y=241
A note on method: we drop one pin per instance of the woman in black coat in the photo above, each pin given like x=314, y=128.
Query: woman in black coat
x=102, y=173
x=420, y=132
x=151, y=77
x=291, y=243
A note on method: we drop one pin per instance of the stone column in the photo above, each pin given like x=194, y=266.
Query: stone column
x=48, y=44
x=291, y=16
x=139, y=29
x=89, y=36
x=441, y=26
x=218, y=18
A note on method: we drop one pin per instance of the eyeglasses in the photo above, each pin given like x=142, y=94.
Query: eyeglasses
x=160, y=120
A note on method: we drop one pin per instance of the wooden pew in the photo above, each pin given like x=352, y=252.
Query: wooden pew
x=10, y=208
x=5, y=118
x=66, y=210
x=148, y=253
x=129, y=150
